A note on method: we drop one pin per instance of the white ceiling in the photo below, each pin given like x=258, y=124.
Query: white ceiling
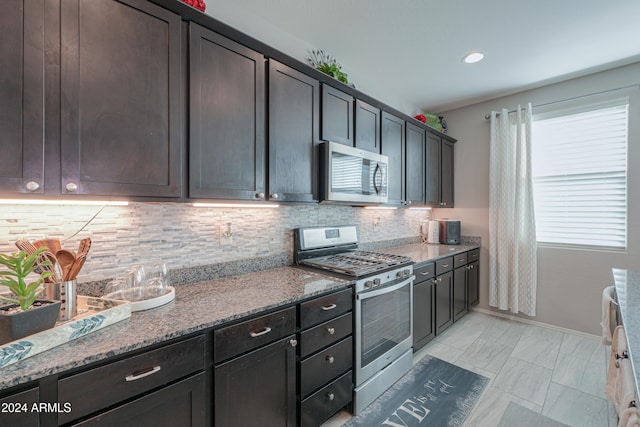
x=413, y=48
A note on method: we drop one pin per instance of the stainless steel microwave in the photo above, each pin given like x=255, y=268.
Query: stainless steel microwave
x=352, y=175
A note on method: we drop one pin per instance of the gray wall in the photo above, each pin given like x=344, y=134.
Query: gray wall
x=570, y=281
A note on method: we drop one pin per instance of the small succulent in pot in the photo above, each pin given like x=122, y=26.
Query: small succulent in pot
x=19, y=266
x=327, y=64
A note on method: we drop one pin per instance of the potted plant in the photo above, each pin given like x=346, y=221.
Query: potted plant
x=26, y=314
x=327, y=64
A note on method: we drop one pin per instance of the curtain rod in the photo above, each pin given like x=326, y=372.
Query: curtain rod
x=634, y=86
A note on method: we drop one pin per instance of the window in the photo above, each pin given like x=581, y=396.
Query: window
x=579, y=166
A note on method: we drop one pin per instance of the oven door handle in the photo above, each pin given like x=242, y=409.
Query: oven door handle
x=393, y=286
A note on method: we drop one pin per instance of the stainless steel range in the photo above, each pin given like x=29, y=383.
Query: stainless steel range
x=383, y=294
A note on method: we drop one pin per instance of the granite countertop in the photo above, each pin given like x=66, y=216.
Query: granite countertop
x=627, y=284
x=196, y=307
x=199, y=306
x=425, y=252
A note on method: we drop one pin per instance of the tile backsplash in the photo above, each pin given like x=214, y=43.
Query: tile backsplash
x=186, y=236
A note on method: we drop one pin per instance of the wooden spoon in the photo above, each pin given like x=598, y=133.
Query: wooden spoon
x=84, y=246
x=66, y=259
x=76, y=267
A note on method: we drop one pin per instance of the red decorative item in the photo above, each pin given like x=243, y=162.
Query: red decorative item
x=198, y=4
x=421, y=117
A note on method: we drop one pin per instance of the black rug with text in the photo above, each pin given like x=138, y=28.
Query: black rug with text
x=432, y=393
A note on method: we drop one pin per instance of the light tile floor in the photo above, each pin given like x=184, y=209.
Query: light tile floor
x=558, y=374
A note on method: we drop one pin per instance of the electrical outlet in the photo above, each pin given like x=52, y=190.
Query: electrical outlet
x=226, y=235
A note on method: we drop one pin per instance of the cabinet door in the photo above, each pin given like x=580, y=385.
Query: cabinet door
x=181, y=404
x=120, y=99
x=460, y=294
x=337, y=116
x=257, y=389
x=15, y=409
x=444, y=306
x=227, y=118
x=293, y=134
x=415, y=159
x=367, y=127
x=22, y=96
x=447, y=175
x=392, y=144
x=432, y=170
x=423, y=314
x=474, y=283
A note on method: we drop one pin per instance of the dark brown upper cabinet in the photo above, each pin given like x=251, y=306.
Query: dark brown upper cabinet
x=22, y=57
x=367, y=127
x=392, y=144
x=415, y=165
x=337, y=116
x=439, y=171
x=120, y=99
x=226, y=118
x=293, y=135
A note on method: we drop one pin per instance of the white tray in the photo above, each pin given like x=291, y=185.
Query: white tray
x=93, y=314
x=145, y=304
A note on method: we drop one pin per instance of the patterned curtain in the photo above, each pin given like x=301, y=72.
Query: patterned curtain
x=512, y=230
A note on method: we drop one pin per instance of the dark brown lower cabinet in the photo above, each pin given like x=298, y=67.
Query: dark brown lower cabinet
x=180, y=404
x=460, y=293
x=16, y=409
x=443, y=305
x=473, y=280
x=258, y=388
x=424, y=329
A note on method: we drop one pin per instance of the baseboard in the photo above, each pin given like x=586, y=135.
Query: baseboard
x=536, y=323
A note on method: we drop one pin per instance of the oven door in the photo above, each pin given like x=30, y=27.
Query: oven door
x=383, y=326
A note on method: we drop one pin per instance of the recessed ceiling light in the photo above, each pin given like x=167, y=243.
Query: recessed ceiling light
x=473, y=57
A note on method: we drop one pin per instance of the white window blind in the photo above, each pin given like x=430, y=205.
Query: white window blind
x=579, y=165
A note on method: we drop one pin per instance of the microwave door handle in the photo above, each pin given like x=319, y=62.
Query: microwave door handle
x=375, y=172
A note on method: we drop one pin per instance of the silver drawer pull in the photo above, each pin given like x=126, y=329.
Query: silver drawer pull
x=266, y=330
x=330, y=359
x=425, y=273
x=331, y=331
x=329, y=307
x=134, y=377
x=445, y=265
x=331, y=396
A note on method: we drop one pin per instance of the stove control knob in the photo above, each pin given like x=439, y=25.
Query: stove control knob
x=400, y=274
x=368, y=284
x=376, y=282
x=407, y=273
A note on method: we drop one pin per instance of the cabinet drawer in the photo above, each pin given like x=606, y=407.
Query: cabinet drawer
x=98, y=388
x=459, y=260
x=474, y=255
x=326, y=365
x=427, y=271
x=321, y=405
x=444, y=265
x=325, y=334
x=324, y=308
x=15, y=409
x=236, y=339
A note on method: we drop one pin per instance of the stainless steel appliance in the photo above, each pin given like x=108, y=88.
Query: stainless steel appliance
x=449, y=231
x=352, y=175
x=383, y=309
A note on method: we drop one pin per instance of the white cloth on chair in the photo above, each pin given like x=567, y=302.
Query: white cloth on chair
x=630, y=418
x=618, y=346
x=608, y=295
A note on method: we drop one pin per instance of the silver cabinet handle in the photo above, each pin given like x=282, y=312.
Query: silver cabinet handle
x=260, y=196
x=439, y=279
x=329, y=307
x=331, y=396
x=135, y=377
x=330, y=359
x=331, y=331
x=424, y=273
x=274, y=196
x=445, y=265
x=293, y=343
x=266, y=330
x=33, y=186
x=71, y=186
